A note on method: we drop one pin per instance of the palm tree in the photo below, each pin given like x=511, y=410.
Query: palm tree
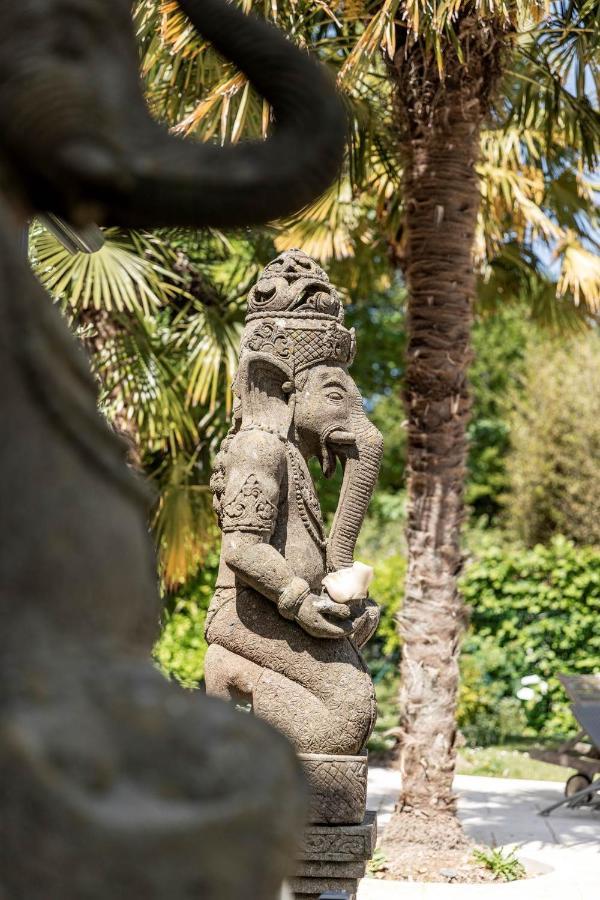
x=475, y=128
x=446, y=73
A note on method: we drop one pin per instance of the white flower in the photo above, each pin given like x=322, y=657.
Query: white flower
x=531, y=679
x=525, y=693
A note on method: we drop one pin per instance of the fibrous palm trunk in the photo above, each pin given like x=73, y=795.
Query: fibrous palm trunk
x=104, y=329
x=439, y=121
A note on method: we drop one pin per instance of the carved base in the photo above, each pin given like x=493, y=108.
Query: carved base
x=338, y=787
x=334, y=858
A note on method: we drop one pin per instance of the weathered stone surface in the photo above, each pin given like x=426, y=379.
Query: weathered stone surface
x=338, y=787
x=329, y=869
x=315, y=886
x=277, y=640
x=330, y=894
x=110, y=775
x=344, y=843
x=334, y=857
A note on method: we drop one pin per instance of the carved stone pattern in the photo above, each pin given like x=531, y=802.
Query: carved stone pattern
x=306, y=346
x=250, y=510
x=338, y=789
x=217, y=481
x=334, y=846
x=268, y=338
x=295, y=264
x=294, y=281
x=340, y=842
x=311, y=345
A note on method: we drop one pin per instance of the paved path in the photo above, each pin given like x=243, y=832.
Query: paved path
x=504, y=812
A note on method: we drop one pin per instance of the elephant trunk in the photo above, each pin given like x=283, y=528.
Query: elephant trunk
x=82, y=139
x=360, y=477
x=183, y=182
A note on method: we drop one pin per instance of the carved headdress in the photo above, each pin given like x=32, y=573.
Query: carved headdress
x=295, y=317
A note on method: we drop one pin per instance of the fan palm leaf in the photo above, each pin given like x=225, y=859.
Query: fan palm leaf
x=131, y=273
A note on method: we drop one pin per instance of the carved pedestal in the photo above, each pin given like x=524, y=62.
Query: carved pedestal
x=338, y=787
x=341, y=837
x=333, y=858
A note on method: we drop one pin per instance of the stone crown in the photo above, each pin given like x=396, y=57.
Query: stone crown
x=294, y=283
x=295, y=316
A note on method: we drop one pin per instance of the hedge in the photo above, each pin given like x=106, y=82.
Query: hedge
x=534, y=614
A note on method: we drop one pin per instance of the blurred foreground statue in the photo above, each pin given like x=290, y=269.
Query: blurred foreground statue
x=291, y=610
x=114, y=783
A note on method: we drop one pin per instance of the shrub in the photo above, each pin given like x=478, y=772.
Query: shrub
x=180, y=650
x=500, y=342
x=387, y=590
x=534, y=615
x=555, y=438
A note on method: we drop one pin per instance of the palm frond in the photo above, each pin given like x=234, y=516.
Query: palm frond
x=211, y=338
x=580, y=273
x=129, y=274
x=142, y=377
x=185, y=524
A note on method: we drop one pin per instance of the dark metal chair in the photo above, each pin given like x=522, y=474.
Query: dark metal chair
x=582, y=752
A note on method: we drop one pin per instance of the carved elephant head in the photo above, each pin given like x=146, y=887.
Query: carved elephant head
x=78, y=140
x=331, y=424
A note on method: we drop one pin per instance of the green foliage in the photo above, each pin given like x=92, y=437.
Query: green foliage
x=387, y=589
x=534, y=615
x=383, y=532
x=504, y=864
x=486, y=715
x=500, y=342
x=507, y=761
x=180, y=650
x=385, y=678
x=382, y=653
x=555, y=437
x=377, y=863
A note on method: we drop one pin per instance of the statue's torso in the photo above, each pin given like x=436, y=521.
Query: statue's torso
x=298, y=534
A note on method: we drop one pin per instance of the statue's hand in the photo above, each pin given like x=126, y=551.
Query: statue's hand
x=312, y=617
x=365, y=622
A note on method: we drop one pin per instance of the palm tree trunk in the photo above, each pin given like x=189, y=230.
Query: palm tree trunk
x=439, y=124
x=104, y=328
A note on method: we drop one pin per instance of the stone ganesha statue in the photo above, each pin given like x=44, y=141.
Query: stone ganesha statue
x=114, y=782
x=291, y=611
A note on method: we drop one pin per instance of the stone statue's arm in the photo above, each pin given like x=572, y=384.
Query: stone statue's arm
x=257, y=563
x=248, y=517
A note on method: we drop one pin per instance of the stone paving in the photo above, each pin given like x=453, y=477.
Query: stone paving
x=564, y=847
